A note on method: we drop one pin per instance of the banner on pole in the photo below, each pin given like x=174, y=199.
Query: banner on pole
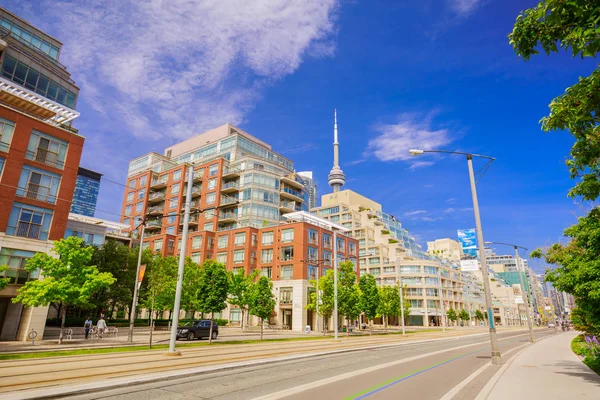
x=468, y=241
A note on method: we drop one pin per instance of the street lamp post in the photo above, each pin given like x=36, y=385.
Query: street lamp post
x=401, y=298
x=136, y=286
x=335, y=286
x=527, y=301
x=496, y=357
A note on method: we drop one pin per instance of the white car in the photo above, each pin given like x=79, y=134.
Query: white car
x=551, y=325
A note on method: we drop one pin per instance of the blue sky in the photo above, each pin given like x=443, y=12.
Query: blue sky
x=402, y=74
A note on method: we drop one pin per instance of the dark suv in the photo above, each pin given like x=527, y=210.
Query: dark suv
x=197, y=330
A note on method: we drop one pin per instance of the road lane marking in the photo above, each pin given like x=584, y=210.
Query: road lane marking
x=312, y=385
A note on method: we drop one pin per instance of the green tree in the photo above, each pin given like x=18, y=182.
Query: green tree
x=369, y=298
x=348, y=293
x=69, y=279
x=239, y=286
x=190, y=295
x=325, y=298
x=389, y=303
x=162, y=283
x=261, y=300
x=405, y=303
x=577, y=269
x=464, y=315
x=570, y=25
x=451, y=314
x=213, y=288
x=479, y=316
x=4, y=281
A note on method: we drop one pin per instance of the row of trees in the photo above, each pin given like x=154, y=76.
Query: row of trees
x=355, y=297
x=464, y=315
x=554, y=26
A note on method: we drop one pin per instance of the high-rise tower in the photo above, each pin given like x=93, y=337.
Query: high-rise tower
x=336, y=175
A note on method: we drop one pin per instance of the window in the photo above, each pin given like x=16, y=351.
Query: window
x=267, y=238
x=196, y=242
x=30, y=39
x=432, y=281
x=143, y=181
x=179, y=244
x=210, y=243
x=313, y=236
x=38, y=184
x=287, y=272
x=375, y=271
x=266, y=256
x=210, y=198
x=170, y=245
x=253, y=239
x=327, y=257
x=432, y=304
x=6, y=133
x=327, y=241
x=352, y=248
x=389, y=270
x=16, y=260
x=341, y=244
x=287, y=235
x=139, y=207
x=177, y=175
x=412, y=281
x=212, y=184
x=286, y=295
x=222, y=257
x=141, y=194
x=196, y=257
x=173, y=203
x=240, y=239
x=413, y=291
x=171, y=219
x=222, y=241
x=213, y=169
x=431, y=292
x=287, y=253
x=132, y=183
x=313, y=254
x=170, y=230
x=312, y=272
x=209, y=226
x=416, y=303
x=238, y=256
x=175, y=188
x=47, y=150
x=128, y=210
x=431, y=270
x=130, y=197
x=209, y=214
x=266, y=271
x=158, y=245
x=410, y=269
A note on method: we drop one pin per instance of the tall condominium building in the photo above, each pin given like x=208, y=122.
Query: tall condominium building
x=446, y=249
x=85, y=196
x=39, y=157
x=311, y=187
x=96, y=231
x=241, y=192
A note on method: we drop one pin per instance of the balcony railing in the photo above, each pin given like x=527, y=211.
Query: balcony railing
x=154, y=223
x=228, y=200
x=228, y=215
x=37, y=192
x=230, y=186
x=29, y=230
x=46, y=156
x=156, y=196
x=159, y=182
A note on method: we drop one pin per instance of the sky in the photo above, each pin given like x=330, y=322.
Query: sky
x=432, y=74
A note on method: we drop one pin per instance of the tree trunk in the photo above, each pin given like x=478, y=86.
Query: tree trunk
x=385, y=320
x=262, y=322
x=212, y=316
x=62, y=324
x=348, y=327
x=370, y=327
x=242, y=320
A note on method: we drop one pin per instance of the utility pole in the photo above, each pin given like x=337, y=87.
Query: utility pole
x=186, y=226
x=135, y=287
x=527, y=299
x=443, y=304
x=401, y=298
x=496, y=357
x=335, y=286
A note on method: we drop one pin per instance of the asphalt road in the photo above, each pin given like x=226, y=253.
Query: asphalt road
x=409, y=371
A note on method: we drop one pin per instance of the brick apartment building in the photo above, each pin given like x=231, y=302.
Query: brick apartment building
x=39, y=158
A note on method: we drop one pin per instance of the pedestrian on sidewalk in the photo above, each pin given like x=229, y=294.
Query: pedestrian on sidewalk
x=88, y=325
x=101, y=325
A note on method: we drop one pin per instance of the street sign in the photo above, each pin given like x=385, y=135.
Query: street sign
x=469, y=265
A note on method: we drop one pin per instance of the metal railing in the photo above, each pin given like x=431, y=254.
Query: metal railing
x=46, y=156
x=37, y=192
x=29, y=230
x=230, y=185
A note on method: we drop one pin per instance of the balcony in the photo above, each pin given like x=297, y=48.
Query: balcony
x=230, y=187
x=198, y=176
x=196, y=190
x=37, y=192
x=154, y=225
x=159, y=183
x=291, y=194
x=227, y=217
x=287, y=206
x=194, y=205
x=227, y=201
x=156, y=197
x=230, y=173
x=45, y=156
x=292, y=181
x=193, y=220
x=156, y=210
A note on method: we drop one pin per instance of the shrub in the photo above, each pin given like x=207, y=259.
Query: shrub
x=221, y=322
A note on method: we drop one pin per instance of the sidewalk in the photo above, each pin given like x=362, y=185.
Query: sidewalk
x=547, y=370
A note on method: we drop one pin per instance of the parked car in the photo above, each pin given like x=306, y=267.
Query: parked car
x=197, y=330
x=551, y=325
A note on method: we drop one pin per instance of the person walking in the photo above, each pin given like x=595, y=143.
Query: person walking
x=101, y=325
x=88, y=325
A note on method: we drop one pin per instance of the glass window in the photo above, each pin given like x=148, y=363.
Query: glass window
x=327, y=242
x=212, y=184
x=222, y=241
x=375, y=271
x=132, y=183
x=16, y=260
x=130, y=197
x=240, y=239
x=313, y=236
x=432, y=304
x=171, y=219
x=238, y=256
x=177, y=175
x=6, y=133
x=128, y=210
x=287, y=253
x=266, y=256
x=312, y=272
x=209, y=226
x=267, y=272
x=327, y=257
x=143, y=181
x=175, y=188
x=432, y=281
x=416, y=303
x=46, y=149
x=170, y=245
x=267, y=238
x=209, y=214
x=213, y=169
x=341, y=244
x=287, y=235
x=410, y=269
x=197, y=257
x=222, y=257
x=196, y=242
x=254, y=239
x=389, y=270
x=173, y=203
x=210, y=198
x=431, y=270
x=287, y=272
x=158, y=245
x=352, y=248
x=139, y=207
x=313, y=254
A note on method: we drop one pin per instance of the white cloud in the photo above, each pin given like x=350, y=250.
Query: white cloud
x=451, y=200
x=182, y=66
x=449, y=210
x=420, y=164
x=410, y=132
x=417, y=212
x=464, y=7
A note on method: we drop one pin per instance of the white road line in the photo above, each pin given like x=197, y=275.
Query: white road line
x=311, y=385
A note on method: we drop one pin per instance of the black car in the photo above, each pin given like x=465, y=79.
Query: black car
x=197, y=330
